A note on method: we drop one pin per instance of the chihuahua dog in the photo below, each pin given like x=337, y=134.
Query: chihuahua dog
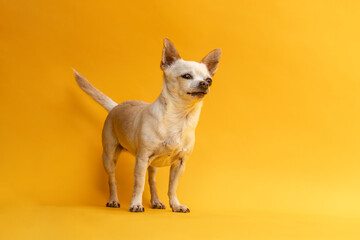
x=158, y=134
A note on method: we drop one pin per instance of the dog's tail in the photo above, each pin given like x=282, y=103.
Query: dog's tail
x=98, y=96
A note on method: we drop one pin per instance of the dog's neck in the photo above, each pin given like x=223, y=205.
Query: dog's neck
x=175, y=109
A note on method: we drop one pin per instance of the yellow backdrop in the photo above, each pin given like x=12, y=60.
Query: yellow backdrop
x=277, y=146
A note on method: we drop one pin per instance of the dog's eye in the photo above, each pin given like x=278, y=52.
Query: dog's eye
x=187, y=76
x=209, y=81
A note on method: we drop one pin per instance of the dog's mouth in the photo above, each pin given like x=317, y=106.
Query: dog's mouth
x=197, y=94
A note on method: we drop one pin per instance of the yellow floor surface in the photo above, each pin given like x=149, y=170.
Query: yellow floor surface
x=95, y=222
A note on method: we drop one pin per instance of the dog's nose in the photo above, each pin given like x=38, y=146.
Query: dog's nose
x=204, y=85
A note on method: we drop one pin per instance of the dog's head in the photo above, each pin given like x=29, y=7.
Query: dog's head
x=187, y=79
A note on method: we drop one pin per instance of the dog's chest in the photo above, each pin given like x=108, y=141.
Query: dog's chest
x=174, y=145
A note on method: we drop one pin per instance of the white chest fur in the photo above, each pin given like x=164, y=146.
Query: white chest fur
x=174, y=146
x=175, y=131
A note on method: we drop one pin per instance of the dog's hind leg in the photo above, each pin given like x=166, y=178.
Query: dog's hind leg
x=111, y=150
x=155, y=201
x=110, y=159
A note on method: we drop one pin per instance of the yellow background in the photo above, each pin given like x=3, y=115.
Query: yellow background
x=277, y=146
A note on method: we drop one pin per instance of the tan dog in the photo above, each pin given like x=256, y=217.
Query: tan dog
x=158, y=134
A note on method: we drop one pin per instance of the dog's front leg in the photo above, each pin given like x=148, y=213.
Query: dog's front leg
x=176, y=170
x=141, y=165
x=155, y=201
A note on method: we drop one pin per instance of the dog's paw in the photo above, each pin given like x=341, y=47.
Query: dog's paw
x=180, y=208
x=137, y=208
x=157, y=205
x=113, y=204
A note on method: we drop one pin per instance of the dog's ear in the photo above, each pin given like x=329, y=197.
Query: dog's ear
x=212, y=60
x=169, y=54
